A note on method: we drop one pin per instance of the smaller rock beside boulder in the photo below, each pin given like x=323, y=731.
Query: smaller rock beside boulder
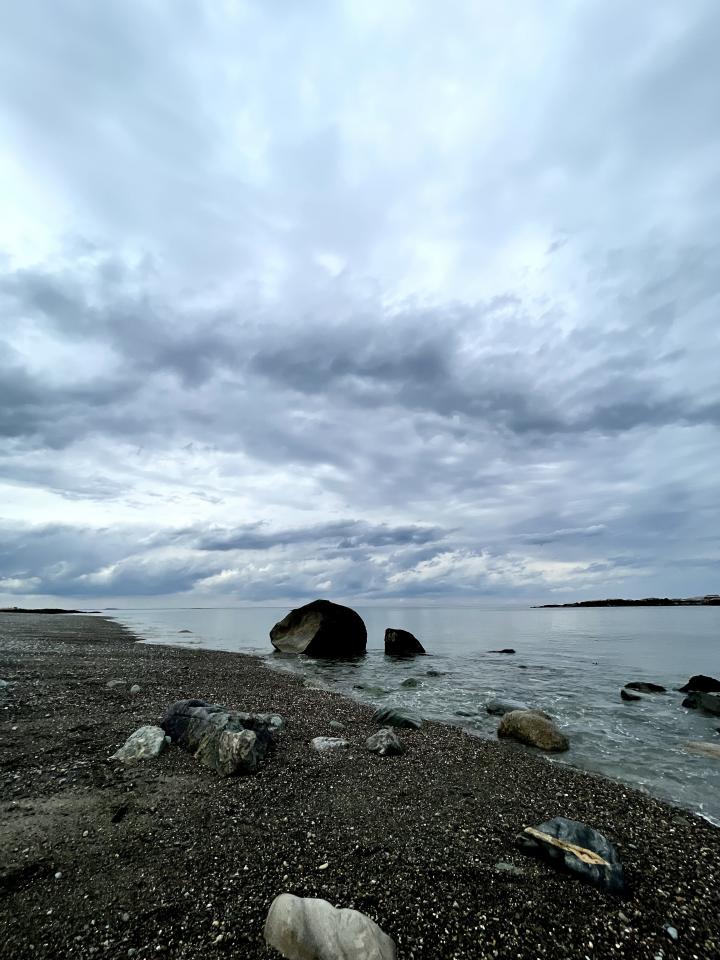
x=628, y=696
x=385, y=742
x=306, y=928
x=323, y=744
x=146, y=742
x=642, y=687
x=701, y=684
x=534, y=729
x=395, y=717
x=579, y=848
x=402, y=643
x=498, y=708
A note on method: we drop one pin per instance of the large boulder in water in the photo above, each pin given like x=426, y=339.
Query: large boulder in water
x=534, y=729
x=321, y=629
x=402, y=643
x=227, y=741
x=578, y=848
x=701, y=684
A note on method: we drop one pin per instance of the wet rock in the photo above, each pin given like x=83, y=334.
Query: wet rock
x=703, y=701
x=626, y=695
x=410, y=682
x=701, y=684
x=402, y=643
x=534, y=729
x=385, y=742
x=579, y=848
x=146, y=742
x=227, y=741
x=706, y=749
x=323, y=744
x=321, y=629
x=434, y=673
x=642, y=687
x=305, y=928
x=395, y=717
x=499, y=708
x=504, y=650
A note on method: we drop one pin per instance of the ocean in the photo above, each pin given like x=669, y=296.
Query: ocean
x=568, y=662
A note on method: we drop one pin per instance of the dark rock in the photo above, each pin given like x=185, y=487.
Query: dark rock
x=434, y=673
x=504, y=650
x=499, y=708
x=393, y=717
x=690, y=701
x=184, y=631
x=385, y=742
x=701, y=684
x=410, y=682
x=227, y=741
x=703, y=701
x=626, y=695
x=643, y=687
x=579, y=848
x=402, y=643
x=321, y=629
x=533, y=728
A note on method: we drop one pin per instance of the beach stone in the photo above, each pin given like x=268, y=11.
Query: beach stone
x=395, y=717
x=534, y=729
x=135, y=689
x=642, y=687
x=701, y=684
x=571, y=844
x=410, y=682
x=706, y=749
x=402, y=643
x=385, y=742
x=499, y=708
x=336, y=725
x=504, y=650
x=510, y=869
x=227, y=741
x=111, y=684
x=306, y=928
x=321, y=629
x=626, y=695
x=146, y=742
x=323, y=744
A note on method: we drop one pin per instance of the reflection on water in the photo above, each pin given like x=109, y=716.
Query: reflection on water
x=571, y=663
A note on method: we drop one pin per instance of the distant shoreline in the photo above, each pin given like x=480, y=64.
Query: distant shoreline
x=711, y=600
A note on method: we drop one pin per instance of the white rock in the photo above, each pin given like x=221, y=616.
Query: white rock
x=145, y=742
x=328, y=743
x=305, y=928
x=385, y=742
x=135, y=688
x=111, y=684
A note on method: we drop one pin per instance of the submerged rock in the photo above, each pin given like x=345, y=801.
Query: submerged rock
x=227, y=741
x=626, y=695
x=642, y=687
x=402, y=643
x=534, y=729
x=579, y=848
x=306, y=928
x=385, y=742
x=706, y=749
x=321, y=629
x=701, y=684
x=410, y=682
x=394, y=717
x=499, y=708
x=146, y=742
x=323, y=744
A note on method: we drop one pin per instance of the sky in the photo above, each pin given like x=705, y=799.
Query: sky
x=382, y=302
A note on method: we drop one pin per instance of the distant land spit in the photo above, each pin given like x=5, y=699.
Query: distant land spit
x=711, y=600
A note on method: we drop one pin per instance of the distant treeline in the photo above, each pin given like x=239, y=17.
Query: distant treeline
x=712, y=600
x=36, y=610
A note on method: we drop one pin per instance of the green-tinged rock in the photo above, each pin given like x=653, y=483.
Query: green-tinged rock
x=146, y=742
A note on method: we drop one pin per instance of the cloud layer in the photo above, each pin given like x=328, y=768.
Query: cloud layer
x=363, y=302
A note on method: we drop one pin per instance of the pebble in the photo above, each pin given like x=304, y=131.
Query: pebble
x=671, y=932
x=323, y=866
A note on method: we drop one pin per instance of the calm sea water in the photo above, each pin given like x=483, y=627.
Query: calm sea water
x=571, y=663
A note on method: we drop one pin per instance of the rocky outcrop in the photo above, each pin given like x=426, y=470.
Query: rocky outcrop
x=701, y=684
x=394, y=717
x=642, y=687
x=402, y=643
x=305, y=928
x=578, y=848
x=321, y=629
x=146, y=742
x=385, y=742
x=533, y=729
x=227, y=741
x=498, y=708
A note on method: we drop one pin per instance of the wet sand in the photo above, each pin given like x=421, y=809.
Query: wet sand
x=167, y=859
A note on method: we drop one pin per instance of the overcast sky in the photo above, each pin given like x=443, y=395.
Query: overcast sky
x=359, y=299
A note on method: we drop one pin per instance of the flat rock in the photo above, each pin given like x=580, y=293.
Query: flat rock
x=579, y=849
x=503, y=650
x=146, y=742
x=533, y=729
x=323, y=744
x=499, y=708
x=402, y=643
x=395, y=717
x=706, y=749
x=642, y=687
x=321, y=629
x=628, y=696
x=385, y=742
x=701, y=684
x=228, y=741
x=305, y=928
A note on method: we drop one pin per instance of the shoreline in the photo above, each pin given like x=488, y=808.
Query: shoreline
x=167, y=854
